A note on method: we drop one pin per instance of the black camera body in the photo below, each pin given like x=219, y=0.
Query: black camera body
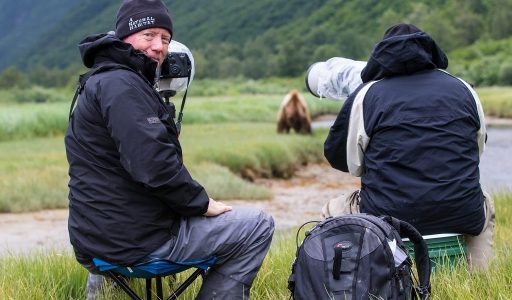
x=176, y=73
x=176, y=65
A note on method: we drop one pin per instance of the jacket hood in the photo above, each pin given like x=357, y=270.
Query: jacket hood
x=106, y=48
x=404, y=50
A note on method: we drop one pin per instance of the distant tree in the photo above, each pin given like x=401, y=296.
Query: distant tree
x=290, y=60
x=229, y=67
x=216, y=59
x=324, y=52
x=53, y=77
x=470, y=27
x=441, y=30
x=499, y=18
x=201, y=64
x=505, y=74
x=256, y=59
x=12, y=77
x=388, y=18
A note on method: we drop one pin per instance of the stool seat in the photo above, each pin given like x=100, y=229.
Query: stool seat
x=153, y=269
x=444, y=249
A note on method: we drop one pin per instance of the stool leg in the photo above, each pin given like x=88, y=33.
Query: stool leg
x=159, y=292
x=123, y=285
x=148, y=288
x=186, y=283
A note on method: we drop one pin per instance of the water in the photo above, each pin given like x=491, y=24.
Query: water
x=495, y=163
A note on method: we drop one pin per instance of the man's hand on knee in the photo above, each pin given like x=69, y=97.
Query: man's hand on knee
x=216, y=208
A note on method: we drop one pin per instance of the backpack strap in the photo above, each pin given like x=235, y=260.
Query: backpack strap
x=82, y=79
x=421, y=256
x=292, y=278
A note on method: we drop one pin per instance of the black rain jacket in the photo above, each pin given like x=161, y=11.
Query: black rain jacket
x=128, y=185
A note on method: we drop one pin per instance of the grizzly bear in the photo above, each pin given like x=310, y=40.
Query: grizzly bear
x=294, y=113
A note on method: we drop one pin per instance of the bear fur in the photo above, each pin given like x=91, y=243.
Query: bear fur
x=294, y=113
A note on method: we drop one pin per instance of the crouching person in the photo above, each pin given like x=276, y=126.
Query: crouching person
x=131, y=199
x=414, y=134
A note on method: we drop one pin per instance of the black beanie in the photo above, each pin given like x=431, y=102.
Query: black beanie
x=136, y=15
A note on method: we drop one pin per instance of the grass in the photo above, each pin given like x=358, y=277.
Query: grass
x=30, y=120
x=33, y=173
x=496, y=101
x=57, y=275
x=25, y=121
x=210, y=101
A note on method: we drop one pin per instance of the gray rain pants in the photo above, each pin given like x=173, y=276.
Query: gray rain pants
x=239, y=239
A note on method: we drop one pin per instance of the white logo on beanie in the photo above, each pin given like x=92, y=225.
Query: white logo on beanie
x=134, y=24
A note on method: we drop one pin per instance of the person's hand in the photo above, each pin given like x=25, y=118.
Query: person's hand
x=216, y=208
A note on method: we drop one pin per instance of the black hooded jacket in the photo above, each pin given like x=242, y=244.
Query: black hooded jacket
x=413, y=133
x=128, y=185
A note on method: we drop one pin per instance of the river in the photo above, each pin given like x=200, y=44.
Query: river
x=496, y=161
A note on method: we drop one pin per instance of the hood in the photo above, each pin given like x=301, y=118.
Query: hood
x=106, y=48
x=404, y=50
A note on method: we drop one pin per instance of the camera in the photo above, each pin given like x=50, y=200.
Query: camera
x=175, y=75
x=176, y=65
x=177, y=70
x=335, y=78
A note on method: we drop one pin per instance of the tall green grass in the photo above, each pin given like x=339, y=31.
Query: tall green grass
x=57, y=276
x=24, y=121
x=33, y=173
x=246, y=108
x=211, y=101
x=30, y=120
x=496, y=101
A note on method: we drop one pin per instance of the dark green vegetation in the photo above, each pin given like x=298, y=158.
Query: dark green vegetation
x=264, y=38
x=58, y=276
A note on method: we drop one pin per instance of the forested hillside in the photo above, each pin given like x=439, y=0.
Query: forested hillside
x=265, y=38
x=23, y=21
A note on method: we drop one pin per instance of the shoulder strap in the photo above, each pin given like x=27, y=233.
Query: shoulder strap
x=421, y=256
x=82, y=79
x=180, y=115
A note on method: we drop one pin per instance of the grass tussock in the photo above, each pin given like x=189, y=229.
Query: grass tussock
x=252, y=149
x=58, y=276
x=221, y=183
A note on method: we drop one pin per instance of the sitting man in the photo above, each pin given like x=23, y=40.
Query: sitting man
x=414, y=134
x=131, y=199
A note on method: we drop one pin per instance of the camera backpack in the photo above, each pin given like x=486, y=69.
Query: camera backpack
x=359, y=256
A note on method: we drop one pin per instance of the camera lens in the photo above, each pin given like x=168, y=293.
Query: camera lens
x=175, y=70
